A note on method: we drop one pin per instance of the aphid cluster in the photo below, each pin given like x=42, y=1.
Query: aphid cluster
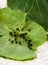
x=23, y=35
x=29, y=44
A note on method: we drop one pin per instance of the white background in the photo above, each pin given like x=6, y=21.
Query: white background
x=42, y=52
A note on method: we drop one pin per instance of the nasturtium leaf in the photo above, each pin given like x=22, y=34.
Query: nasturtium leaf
x=37, y=33
x=16, y=51
x=22, y=44
x=13, y=18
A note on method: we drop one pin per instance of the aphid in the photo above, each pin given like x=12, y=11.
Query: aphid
x=12, y=41
x=15, y=39
x=16, y=42
x=14, y=35
x=19, y=42
x=17, y=29
x=23, y=37
x=30, y=46
x=11, y=34
x=25, y=33
x=9, y=39
x=29, y=40
x=29, y=30
x=1, y=35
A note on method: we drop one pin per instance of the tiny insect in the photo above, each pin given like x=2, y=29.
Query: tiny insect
x=25, y=33
x=14, y=35
x=11, y=34
x=30, y=47
x=23, y=37
x=29, y=30
x=9, y=39
x=17, y=29
x=12, y=41
x=19, y=42
x=16, y=42
x=15, y=39
x=29, y=40
x=1, y=35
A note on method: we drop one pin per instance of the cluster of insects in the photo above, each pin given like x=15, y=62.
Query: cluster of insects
x=23, y=35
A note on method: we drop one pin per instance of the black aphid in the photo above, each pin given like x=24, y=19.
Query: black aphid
x=14, y=35
x=12, y=41
x=19, y=42
x=30, y=44
x=16, y=42
x=29, y=30
x=29, y=40
x=1, y=35
x=15, y=39
x=9, y=39
x=11, y=33
x=23, y=37
x=25, y=33
x=17, y=29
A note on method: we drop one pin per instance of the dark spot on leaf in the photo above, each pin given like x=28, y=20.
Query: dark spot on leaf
x=14, y=35
x=19, y=42
x=16, y=42
x=25, y=33
x=11, y=33
x=1, y=35
x=9, y=39
x=29, y=45
x=17, y=29
x=12, y=41
x=29, y=40
x=23, y=37
x=29, y=30
x=15, y=39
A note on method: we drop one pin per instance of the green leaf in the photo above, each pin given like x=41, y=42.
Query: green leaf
x=16, y=51
x=8, y=48
x=37, y=33
x=14, y=45
x=13, y=18
x=37, y=10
